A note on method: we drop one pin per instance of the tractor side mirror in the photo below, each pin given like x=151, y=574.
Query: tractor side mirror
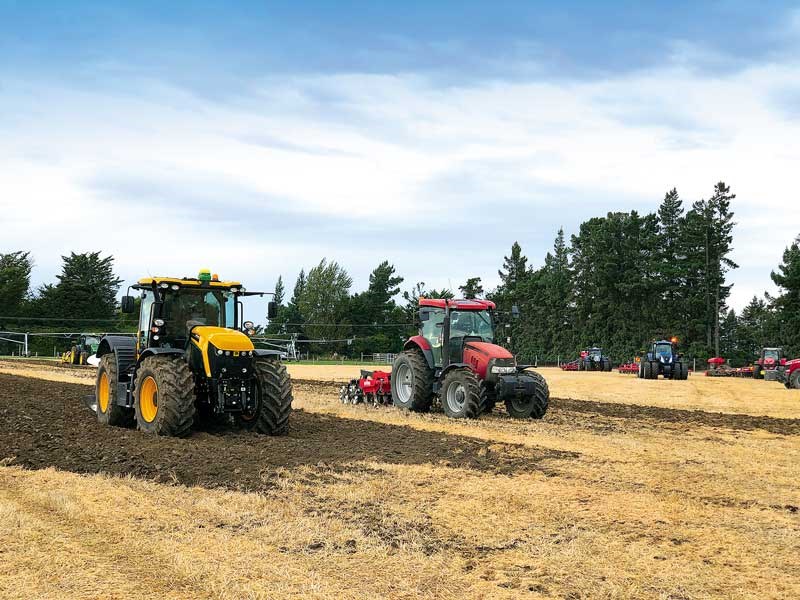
x=515, y=311
x=128, y=305
x=272, y=310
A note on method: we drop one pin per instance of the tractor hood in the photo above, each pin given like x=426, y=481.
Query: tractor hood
x=480, y=355
x=222, y=338
x=489, y=350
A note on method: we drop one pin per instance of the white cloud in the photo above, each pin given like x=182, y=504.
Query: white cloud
x=392, y=153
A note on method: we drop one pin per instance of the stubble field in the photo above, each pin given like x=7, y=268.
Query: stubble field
x=627, y=489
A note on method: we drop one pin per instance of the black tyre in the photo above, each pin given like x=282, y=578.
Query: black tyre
x=274, y=403
x=164, y=396
x=647, y=370
x=684, y=371
x=488, y=397
x=640, y=374
x=412, y=381
x=105, y=388
x=758, y=372
x=84, y=357
x=461, y=394
x=607, y=365
x=531, y=407
x=793, y=382
x=76, y=355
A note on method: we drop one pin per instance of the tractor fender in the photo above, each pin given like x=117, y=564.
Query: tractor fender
x=420, y=343
x=124, y=349
x=452, y=366
x=160, y=352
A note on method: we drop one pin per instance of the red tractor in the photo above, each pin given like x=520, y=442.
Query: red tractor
x=455, y=359
x=792, y=374
x=771, y=365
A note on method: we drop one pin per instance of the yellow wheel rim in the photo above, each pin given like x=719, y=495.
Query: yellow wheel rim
x=103, y=393
x=148, y=399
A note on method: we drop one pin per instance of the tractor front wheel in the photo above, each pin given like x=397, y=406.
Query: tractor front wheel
x=647, y=370
x=794, y=380
x=274, y=404
x=164, y=396
x=461, y=394
x=75, y=356
x=84, y=357
x=412, y=382
x=488, y=397
x=531, y=407
x=105, y=393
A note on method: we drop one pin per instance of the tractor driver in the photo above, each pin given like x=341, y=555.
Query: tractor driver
x=188, y=310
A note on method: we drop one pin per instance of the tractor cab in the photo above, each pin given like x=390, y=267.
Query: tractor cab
x=171, y=308
x=663, y=351
x=595, y=354
x=771, y=356
x=448, y=325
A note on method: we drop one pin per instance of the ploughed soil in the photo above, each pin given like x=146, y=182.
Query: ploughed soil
x=46, y=424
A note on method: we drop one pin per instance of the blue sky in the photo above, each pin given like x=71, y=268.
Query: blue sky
x=430, y=134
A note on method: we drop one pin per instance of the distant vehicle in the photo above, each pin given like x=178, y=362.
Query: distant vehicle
x=792, y=374
x=771, y=365
x=663, y=359
x=79, y=354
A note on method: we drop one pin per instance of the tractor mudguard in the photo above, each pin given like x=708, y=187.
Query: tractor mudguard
x=452, y=366
x=161, y=352
x=422, y=344
x=124, y=349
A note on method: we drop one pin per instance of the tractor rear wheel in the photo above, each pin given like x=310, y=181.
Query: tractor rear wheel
x=412, y=381
x=105, y=392
x=461, y=394
x=606, y=365
x=488, y=397
x=75, y=356
x=274, y=404
x=84, y=357
x=758, y=372
x=531, y=407
x=164, y=396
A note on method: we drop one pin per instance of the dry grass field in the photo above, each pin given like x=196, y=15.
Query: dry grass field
x=627, y=489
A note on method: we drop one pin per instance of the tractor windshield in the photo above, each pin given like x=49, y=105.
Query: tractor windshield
x=187, y=308
x=595, y=352
x=664, y=350
x=472, y=323
x=772, y=353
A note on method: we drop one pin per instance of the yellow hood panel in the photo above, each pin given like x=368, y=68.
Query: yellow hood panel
x=223, y=339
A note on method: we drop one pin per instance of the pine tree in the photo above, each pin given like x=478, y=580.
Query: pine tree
x=15, y=280
x=472, y=288
x=787, y=304
x=514, y=269
x=278, y=298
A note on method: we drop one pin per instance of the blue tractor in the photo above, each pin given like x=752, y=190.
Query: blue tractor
x=663, y=359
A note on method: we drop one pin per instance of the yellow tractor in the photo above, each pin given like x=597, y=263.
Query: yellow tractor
x=191, y=361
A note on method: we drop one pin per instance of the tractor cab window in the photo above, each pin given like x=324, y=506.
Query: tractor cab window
x=772, y=353
x=144, y=318
x=92, y=343
x=595, y=352
x=189, y=308
x=472, y=323
x=664, y=350
x=432, y=327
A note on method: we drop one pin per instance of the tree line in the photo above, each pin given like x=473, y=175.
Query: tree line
x=620, y=281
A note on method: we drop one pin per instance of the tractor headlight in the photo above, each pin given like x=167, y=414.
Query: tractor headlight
x=158, y=322
x=219, y=352
x=234, y=289
x=503, y=370
x=175, y=287
x=227, y=352
x=164, y=285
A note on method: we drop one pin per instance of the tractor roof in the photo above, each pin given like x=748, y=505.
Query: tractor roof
x=458, y=304
x=187, y=282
